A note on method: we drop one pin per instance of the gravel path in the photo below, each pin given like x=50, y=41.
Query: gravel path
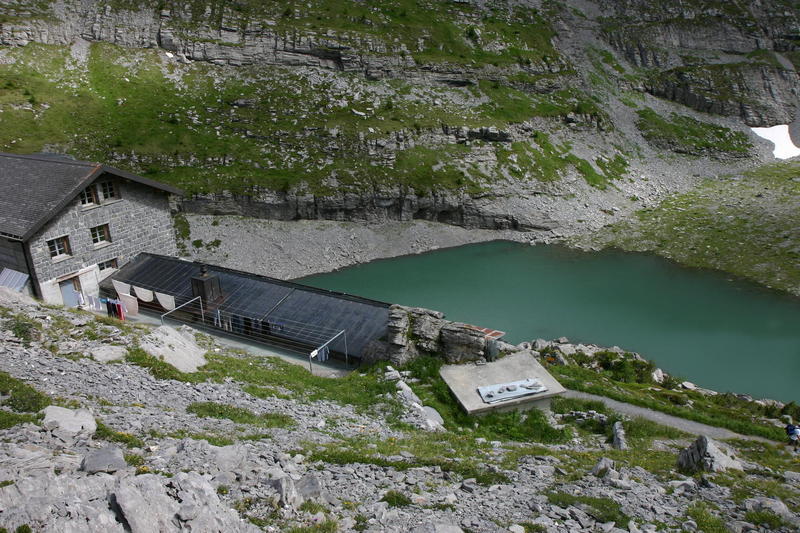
x=689, y=426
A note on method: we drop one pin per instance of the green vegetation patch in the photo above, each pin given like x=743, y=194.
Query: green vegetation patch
x=723, y=410
x=706, y=520
x=766, y=519
x=22, y=398
x=460, y=453
x=601, y=509
x=105, y=432
x=748, y=225
x=545, y=161
x=203, y=129
x=240, y=415
x=396, y=499
x=687, y=135
x=23, y=327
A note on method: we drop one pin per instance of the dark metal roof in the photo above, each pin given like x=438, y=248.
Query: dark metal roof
x=312, y=315
x=34, y=188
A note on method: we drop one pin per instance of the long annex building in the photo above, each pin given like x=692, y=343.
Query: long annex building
x=263, y=309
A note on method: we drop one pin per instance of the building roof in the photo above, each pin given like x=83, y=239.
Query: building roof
x=34, y=188
x=310, y=316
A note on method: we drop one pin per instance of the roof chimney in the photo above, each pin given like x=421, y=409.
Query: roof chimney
x=206, y=285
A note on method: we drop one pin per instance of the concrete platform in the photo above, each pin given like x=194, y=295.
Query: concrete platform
x=465, y=379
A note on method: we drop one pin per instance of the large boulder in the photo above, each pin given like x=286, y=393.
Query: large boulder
x=69, y=423
x=461, y=342
x=108, y=459
x=771, y=505
x=286, y=492
x=108, y=352
x=706, y=455
x=177, y=347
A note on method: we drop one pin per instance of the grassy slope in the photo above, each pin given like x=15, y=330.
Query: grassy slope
x=748, y=225
x=209, y=128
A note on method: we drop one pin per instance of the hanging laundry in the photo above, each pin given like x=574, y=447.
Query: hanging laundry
x=145, y=295
x=96, y=303
x=120, y=311
x=130, y=304
x=121, y=288
x=166, y=301
x=217, y=319
x=109, y=308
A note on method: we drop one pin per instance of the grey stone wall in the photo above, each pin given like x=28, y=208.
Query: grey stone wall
x=12, y=255
x=139, y=222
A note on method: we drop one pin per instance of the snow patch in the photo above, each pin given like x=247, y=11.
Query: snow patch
x=779, y=135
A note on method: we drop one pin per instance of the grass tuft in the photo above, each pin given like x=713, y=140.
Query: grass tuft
x=240, y=415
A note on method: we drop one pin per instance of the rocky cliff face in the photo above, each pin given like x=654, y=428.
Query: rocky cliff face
x=720, y=58
x=448, y=111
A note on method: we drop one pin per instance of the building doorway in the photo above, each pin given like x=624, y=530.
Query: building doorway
x=71, y=292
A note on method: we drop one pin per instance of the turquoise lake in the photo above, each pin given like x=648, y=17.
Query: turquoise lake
x=727, y=335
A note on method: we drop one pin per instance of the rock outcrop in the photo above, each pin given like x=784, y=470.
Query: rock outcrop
x=414, y=331
x=705, y=455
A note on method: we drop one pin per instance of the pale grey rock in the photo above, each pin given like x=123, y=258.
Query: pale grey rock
x=433, y=415
x=69, y=422
x=540, y=344
x=108, y=352
x=230, y=458
x=108, y=459
x=567, y=349
x=792, y=477
x=706, y=455
x=658, y=375
x=618, y=439
x=406, y=394
x=177, y=347
x=287, y=495
x=772, y=505
x=603, y=466
x=145, y=504
x=310, y=488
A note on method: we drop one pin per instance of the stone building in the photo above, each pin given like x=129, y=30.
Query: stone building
x=70, y=224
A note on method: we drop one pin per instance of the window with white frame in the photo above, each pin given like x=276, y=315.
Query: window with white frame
x=59, y=247
x=89, y=196
x=100, y=234
x=108, y=190
x=111, y=264
x=99, y=192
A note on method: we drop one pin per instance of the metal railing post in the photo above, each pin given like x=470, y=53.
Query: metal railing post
x=346, y=355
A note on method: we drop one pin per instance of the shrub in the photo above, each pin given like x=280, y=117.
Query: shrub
x=396, y=499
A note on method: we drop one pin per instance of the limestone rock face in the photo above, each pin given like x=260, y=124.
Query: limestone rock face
x=107, y=352
x=108, y=459
x=461, y=343
x=706, y=455
x=772, y=505
x=69, y=422
x=414, y=330
x=717, y=76
x=177, y=347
